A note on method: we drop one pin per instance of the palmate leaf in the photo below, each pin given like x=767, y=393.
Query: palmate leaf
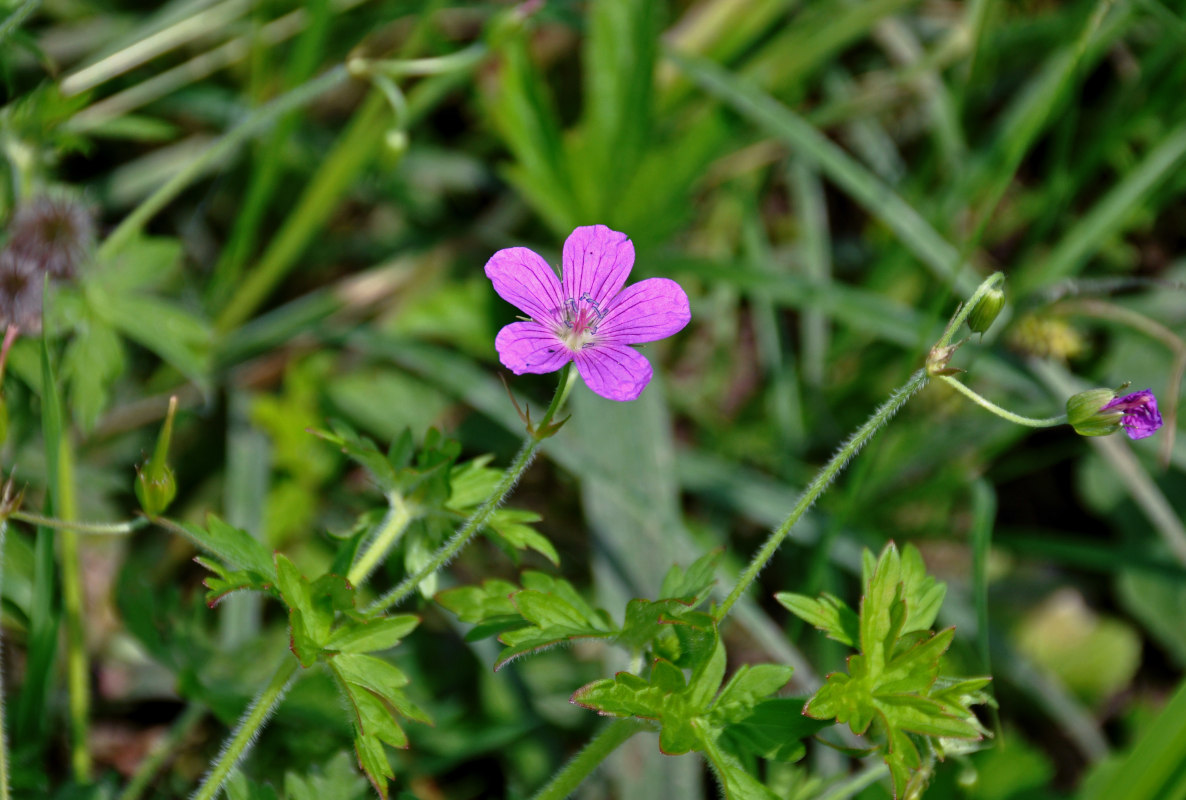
x=894, y=681
x=666, y=697
x=731, y=726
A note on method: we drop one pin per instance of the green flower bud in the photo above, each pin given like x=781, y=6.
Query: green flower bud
x=1086, y=415
x=156, y=486
x=986, y=310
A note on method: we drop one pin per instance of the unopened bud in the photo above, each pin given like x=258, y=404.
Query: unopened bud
x=986, y=310
x=156, y=486
x=1086, y=415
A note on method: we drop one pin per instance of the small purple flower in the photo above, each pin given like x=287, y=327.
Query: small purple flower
x=585, y=315
x=1141, y=417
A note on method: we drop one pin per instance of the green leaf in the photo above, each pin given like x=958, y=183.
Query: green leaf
x=510, y=526
x=554, y=615
x=829, y=614
x=224, y=581
x=338, y=779
x=180, y=338
x=233, y=545
x=374, y=718
x=372, y=757
x=693, y=584
x=647, y=620
x=922, y=594
x=773, y=729
x=293, y=588
x=372, y=636
x=94, y=358
x=362, y=451
x=749, y=684
x=370, y=672
x=488, y=606
x=304, y=646
x=144, y=263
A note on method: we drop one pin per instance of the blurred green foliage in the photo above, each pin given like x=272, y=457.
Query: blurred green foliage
x=285, y=242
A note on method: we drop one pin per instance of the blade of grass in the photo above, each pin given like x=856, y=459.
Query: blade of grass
x=1108, y=216
x=267, y=166
x=334, y=177
x=60, y=473
x=878, y=199
x=253, y=124
x=1155, y=769
x=815, y=255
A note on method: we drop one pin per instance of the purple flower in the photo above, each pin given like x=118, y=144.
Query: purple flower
x=1141, y=417
x=585, y=315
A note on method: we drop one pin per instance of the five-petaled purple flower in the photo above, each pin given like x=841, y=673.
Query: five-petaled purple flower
x=585, y=315
x=1141, y=417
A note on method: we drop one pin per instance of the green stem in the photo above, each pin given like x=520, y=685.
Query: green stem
x=95, y=528
x=399, y=516
x=474, y=524
x=566, y=781
x=821, y=482
x=249, y=727
x=988, y=405
x=961, y=314
x=162, y=751
x=4, y=792
x=254, y=123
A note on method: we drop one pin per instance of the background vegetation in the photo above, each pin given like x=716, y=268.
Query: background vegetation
x=284, y=238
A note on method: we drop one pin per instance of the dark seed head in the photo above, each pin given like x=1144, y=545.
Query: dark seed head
x=55, y=233
x=20, y=291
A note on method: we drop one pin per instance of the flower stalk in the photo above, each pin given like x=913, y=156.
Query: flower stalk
x=988, y=405
x=610, y=738
x=250, y=723
x=457, y=542
x=820, y=482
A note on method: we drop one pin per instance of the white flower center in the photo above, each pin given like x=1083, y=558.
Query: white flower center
x=576, y=322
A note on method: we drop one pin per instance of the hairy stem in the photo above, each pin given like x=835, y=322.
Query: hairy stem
x=446, y=552
x=399, y=516
x=250, y=724
x=821, y=482
x=988, y=405
x=566, y=781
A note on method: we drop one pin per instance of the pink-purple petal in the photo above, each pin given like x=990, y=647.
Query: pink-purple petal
x=530, y=347
x=596, y=263
x=524, y=279
x=644, y=312
x=1141, y=416
x=614, y=371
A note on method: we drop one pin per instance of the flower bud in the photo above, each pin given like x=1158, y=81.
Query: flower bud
x=1086, y=415
x=156, y=486
x=1102, y=411
x=986, y=310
